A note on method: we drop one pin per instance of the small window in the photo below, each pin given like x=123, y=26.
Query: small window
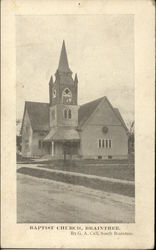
x=69, y=114
x=110, y=143
x=106, y=143
x=99, y=143
x=99, y=157
x=65, y=113
x=103, y=143
x=39, y=144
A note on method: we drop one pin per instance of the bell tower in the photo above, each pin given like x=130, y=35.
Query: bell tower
x=63, y=94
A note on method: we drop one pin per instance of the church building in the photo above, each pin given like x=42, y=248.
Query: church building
x=62, y=129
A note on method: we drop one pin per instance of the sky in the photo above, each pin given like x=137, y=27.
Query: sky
x=100, y=49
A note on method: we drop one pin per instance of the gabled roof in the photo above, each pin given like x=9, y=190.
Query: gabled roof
x=87, y=109
x=38, y=114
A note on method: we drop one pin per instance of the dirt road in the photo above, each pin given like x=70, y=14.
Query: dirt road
x=40, y=200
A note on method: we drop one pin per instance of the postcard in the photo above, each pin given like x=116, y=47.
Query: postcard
x=78, y=124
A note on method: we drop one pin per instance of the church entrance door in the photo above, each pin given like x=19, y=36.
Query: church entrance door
x=70, y=149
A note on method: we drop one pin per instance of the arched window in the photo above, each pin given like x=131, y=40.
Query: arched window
x=66, y=96
x=69, y=114
x=65, y=113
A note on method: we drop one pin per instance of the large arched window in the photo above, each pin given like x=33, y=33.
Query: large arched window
x=66, y=96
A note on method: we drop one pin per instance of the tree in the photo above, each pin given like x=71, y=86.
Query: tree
x=131, y=137
x=18, y=136
x=18, y=121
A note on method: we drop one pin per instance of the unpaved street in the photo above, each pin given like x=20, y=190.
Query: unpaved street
x=48, y=201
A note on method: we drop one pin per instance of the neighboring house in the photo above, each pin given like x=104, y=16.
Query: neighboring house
x=62, y=129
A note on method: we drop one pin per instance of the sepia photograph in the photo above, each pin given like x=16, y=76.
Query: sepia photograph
x=78, y=124
x=75, y=146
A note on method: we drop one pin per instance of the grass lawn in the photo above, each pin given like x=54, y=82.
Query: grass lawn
x=119, y=188
x=114, y=169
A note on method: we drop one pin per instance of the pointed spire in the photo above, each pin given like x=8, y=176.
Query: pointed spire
x=51, y=80
x=76, y=79
x=63, y=62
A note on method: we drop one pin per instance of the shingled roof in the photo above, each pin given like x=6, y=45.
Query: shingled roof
x=65, y=134
x=120, y=118
x=86, y=110
x=39, y=114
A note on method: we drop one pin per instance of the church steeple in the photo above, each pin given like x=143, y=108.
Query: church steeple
x=63, y=62
x=63, y=94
